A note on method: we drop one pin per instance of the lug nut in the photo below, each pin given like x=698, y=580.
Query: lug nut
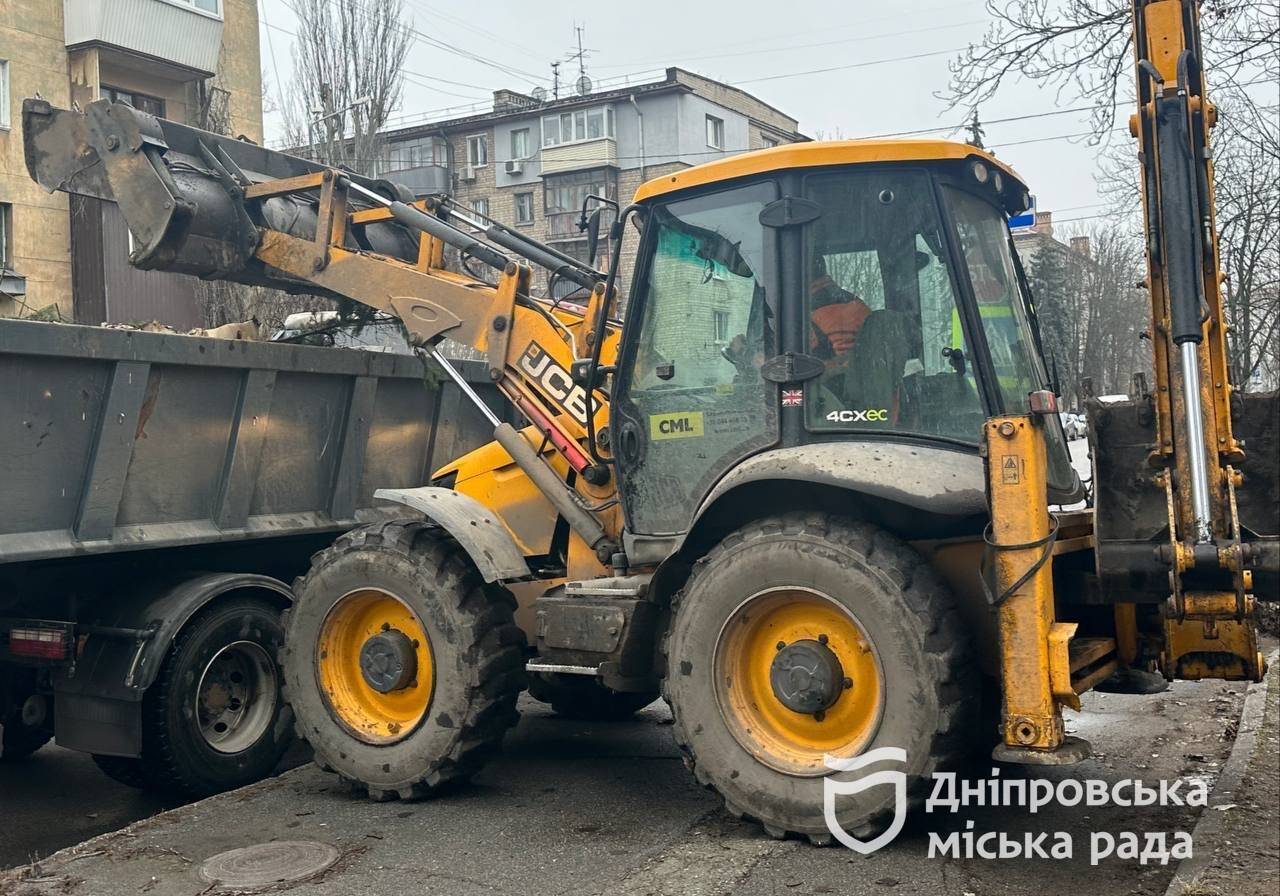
x=819, y=715
x=782, y=644
x=848, y=682
x=822, y=639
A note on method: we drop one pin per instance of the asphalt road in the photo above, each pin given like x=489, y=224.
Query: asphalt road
x=574, y=808
x=60, y=798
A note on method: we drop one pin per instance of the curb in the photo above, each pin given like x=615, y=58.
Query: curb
x=1211, y=821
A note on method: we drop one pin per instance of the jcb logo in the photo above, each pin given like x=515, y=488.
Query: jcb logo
x=555, y=382
x=685, y=425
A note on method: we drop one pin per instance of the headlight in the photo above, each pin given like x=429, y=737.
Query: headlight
x=997, y=181
x=980, y=172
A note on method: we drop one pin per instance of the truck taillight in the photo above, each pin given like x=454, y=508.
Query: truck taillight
x=38, y=643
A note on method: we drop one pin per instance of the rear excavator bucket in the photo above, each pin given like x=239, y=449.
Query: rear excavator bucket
x=181, y=190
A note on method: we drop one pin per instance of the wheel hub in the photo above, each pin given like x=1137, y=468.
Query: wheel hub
x=388, y=661
x=806, y=676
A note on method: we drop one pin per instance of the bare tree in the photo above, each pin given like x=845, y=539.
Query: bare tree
x=347, y=78
x=1083, y=48
x=1091, y=315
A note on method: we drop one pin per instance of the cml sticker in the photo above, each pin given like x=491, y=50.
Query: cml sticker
x=681, y=425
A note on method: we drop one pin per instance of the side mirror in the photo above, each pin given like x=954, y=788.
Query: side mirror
x=593, y=236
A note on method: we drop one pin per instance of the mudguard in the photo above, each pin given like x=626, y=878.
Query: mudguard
x=97, y=701
x=933, y=480
x=481, y=534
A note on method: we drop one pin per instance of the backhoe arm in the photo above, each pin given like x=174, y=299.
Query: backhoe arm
x=1182, y=513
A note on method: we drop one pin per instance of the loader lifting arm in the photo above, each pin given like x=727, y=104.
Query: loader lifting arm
x=218, y=208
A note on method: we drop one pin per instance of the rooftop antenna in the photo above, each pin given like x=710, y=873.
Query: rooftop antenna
x=555, y=80
x=583, y=84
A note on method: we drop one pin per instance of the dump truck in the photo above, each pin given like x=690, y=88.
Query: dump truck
x=805, y=489
x=159, y=494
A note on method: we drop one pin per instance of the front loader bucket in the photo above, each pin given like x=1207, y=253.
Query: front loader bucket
x=178, y=189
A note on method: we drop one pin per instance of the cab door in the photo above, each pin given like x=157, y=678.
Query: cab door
x=689, y=400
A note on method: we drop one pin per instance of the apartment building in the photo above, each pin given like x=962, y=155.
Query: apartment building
x=194, y=61
x=530, y=163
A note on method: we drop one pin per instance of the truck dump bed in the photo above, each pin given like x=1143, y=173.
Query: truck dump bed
x=115, y=440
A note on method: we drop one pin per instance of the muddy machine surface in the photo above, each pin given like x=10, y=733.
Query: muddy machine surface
x=769, y=495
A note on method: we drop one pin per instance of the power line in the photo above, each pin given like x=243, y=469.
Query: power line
x=826, y=43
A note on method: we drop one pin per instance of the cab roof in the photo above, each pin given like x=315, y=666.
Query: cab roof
x=816, y=154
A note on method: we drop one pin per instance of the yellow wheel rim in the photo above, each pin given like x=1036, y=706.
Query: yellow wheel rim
x=366, y=712
x=783, y=738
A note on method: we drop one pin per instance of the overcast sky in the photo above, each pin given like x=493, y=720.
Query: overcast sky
x=774, y=54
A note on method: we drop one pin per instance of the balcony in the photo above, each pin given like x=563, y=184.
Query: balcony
x=563, y=226
x=585, y=154
x=176, y=36
x=424, y=180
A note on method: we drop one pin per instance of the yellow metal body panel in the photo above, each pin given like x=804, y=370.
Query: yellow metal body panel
x=1035, y=667
x=817, y=154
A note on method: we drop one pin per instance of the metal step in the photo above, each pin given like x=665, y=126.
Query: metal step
x=615, y=586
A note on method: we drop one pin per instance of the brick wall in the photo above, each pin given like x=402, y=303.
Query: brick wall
x=32, y=40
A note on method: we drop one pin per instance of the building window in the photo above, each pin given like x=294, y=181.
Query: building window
x=577, y=126
x=524, y=208
x=721, y=321
x=4, y=93
x=715, y=132
x=152, y=105
x=212, y=7
x=769, y=142
x=417, y=154
x=6, y=236
x=477, y=151
x=480, y=206
x=520, y=143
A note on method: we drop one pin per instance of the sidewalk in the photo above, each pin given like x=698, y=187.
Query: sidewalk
x=1239, y=832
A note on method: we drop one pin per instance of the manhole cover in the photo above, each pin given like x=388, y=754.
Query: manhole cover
x=268, y=864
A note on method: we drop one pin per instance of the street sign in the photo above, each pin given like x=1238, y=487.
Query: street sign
x=1025, y=220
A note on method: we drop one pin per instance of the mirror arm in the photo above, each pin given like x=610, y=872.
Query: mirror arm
x=601, y=323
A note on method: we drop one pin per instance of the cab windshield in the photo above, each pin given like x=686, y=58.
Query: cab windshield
x=887, y=312
x=1006, y=326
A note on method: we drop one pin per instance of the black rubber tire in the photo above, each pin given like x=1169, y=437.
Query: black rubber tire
x=930, y=680
x=17, y=741
x=175, y=758
x=477, y=649
x=587, y=699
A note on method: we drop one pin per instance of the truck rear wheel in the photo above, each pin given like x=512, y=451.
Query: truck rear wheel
x=401, y=665
x=24, y=722
x=586, y=698
x=806, y=636
x=213, y=719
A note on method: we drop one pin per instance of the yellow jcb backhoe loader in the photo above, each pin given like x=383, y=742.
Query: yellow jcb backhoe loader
x=765, y=495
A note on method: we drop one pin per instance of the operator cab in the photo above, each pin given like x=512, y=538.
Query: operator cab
x=859, y=290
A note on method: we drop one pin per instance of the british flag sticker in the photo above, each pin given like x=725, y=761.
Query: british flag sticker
x=792, y=398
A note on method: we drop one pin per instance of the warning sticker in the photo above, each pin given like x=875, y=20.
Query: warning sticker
x=683, y=425
x=1010, y=469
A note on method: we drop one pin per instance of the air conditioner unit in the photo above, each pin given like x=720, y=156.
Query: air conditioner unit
x=468, y=173
x=515, y=166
